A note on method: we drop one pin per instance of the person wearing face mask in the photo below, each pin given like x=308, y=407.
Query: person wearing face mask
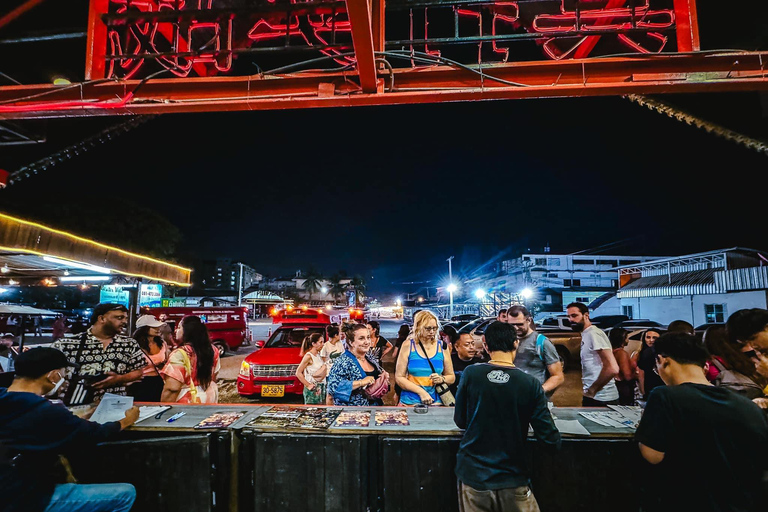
x=35, y=432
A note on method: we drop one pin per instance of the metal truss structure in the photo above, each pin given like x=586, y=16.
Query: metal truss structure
x=163, y=56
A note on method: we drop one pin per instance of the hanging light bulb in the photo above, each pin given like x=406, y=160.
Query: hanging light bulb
x=5, y=269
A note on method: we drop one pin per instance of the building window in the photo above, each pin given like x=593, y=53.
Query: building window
x=541, y=261
x=614, y=283
x=583, y=300
x=627, y=311
x=714, y=313
x=555, y=262
x=571, y=282
x=583, y=262
x=566, y=282
x=552, y=274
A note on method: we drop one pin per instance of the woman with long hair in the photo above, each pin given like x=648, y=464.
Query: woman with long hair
x=626, y=379
x=647, y=378
x=147, y=335
x=190, y=375
x=355, y=370
x=414, y=372
x=728, y=357
x=312, y=369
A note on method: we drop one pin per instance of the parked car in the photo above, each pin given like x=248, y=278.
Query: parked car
x=554, y=323
x=608, y=321
x=476, y=328
x=700, y=330
x=639, y=323
x=270, y=371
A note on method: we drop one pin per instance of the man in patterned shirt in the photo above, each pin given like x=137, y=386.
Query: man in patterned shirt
x=103, y=350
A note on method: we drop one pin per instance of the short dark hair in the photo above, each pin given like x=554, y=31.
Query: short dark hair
x=502, y=310
x=104, y=308
x=580, y=306
x=500, y=337
x=517, y=309
x=682, y=347
x=745, y=323
x=680, y=326
x=375, y=325
x=617, y=336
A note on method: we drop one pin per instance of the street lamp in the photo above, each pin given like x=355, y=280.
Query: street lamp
x=451, y=288
x=527, y=293
x=479, y=293
x=324, y=289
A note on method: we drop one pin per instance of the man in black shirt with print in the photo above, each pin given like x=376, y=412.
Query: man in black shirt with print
x=709, y=445
x=495, y=404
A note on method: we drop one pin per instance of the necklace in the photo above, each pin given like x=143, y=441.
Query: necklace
x=501, y=363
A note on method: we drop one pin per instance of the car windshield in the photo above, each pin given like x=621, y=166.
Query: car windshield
x=287, y=337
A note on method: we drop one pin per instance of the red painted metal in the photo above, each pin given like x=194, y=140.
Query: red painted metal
x=656, y=74
x=687, y=26
x=96, y=49
x=359, y=12
x=29, y=4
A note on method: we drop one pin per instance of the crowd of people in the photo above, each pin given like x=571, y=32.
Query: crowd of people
x=702, y=398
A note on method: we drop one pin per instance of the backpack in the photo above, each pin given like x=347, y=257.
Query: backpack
x=736, y=382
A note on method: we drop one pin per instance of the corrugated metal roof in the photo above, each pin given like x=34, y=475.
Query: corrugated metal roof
x=682, y=283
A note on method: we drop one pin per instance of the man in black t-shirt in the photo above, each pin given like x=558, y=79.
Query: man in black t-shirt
x=495, y=404
x=464, y=356
x=708, y=444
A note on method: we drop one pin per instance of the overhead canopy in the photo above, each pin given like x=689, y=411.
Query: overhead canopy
x=14, y=309
x=30, y=253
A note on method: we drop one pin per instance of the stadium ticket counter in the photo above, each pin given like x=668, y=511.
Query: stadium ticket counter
x=273, y=461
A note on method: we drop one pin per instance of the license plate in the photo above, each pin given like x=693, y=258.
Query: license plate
x=273, y=390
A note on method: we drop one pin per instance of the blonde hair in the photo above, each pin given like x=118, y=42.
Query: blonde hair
x=420, y=321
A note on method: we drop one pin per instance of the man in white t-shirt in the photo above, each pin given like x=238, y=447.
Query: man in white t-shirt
x=598, y=366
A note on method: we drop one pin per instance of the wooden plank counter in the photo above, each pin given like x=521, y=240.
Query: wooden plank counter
x=386, y=468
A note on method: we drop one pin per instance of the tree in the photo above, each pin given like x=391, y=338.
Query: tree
x=312, y=282
x=338, y=289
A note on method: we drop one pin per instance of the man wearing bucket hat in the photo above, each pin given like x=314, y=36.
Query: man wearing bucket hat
x=34, y=432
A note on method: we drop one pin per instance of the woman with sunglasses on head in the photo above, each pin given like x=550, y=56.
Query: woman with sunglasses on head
x=421, y=353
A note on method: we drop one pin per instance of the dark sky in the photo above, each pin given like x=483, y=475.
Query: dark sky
x=391, y=192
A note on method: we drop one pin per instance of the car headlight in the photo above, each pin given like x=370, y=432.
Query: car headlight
x=245, y=369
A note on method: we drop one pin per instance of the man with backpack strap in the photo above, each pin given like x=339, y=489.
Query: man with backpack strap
x=536, y=355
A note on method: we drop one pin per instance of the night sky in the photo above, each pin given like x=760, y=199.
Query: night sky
x=391, y=192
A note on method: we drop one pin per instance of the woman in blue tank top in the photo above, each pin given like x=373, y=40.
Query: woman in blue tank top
x=414, y=373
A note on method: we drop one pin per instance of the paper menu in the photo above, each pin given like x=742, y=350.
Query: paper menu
x=148, y=411
x=571, y=427
x=610, y=419
x=112, y=408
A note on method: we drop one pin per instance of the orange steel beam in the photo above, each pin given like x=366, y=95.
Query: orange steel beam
x=96, y=46
x=8, y=18
x=359, y=12
x=687, y=26
x=684, y=73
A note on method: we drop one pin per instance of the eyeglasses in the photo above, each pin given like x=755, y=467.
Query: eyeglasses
x=431, y=329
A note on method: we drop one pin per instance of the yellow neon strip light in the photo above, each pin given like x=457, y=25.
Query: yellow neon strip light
x=91, y=242
x=36, y=253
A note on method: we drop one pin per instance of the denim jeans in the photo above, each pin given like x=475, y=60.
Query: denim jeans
x=92, y=498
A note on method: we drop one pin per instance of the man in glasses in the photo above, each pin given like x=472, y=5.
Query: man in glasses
x=536, y=355
x=713, y=443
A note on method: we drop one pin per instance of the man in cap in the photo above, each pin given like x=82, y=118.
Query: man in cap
x=34, y=432
x=102, y=350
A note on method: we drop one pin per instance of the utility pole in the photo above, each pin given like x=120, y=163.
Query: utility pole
x=240, y=286
x=450, y=287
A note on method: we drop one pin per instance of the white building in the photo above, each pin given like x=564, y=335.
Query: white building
x=698, y=288
x=559, y=279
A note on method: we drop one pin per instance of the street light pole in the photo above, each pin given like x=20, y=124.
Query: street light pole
x=240, y=286
x=450, y=287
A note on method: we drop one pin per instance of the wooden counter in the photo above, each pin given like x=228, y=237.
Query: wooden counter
x=387, y=468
